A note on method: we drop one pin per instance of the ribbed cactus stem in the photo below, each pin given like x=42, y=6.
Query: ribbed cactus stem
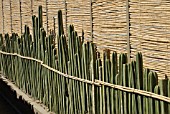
x=40, y=18
x=152, y=82
x=108, y=65
x=132, y=84
x=122, y=60
x=60, y=24
x=117, y=98
x=139, y=79
x=168, y=95
x=146, y=88
x=1, y=40
x=114, y=67
x=163, y=91
x=157, y=102
x=125, y=83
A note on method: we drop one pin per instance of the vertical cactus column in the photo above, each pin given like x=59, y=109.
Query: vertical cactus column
x=100, y=91
x=60, y=24
x=117, y=96
x=152, y=82
x=122, y=60
x=106, y=108
x=132, y=83
x=146, y=88
x=163, y=91
x=1, y=41
x=85, y=71
x=139, y=80
x=97, y=89
x=1, y=46
x=168, y=95
x=107, y=77
x=40, y=20
x=157, y=102
x=125, y=94
x=114, y=71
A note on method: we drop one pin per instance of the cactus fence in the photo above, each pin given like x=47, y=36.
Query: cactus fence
x=120, y=25
x=72, y=78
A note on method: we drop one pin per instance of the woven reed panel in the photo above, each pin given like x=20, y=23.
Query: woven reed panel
x=78, y=14
x=36, y=3
x=16, y=21
x=109, y=24
x=1, y=18
x=7, y=16
x=53, y=7
x=26, y=14
x=150, y=33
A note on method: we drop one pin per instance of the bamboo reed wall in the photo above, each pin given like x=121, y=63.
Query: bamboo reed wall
x=105, y=21
x=78, y=13
x=150, y=31
x=15, y=7
x=110, y=24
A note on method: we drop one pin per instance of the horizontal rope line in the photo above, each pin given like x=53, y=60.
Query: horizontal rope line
x=52, y=69
x=138, y=91
x=96, y=82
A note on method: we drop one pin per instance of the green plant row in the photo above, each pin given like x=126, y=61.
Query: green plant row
x=78, y=58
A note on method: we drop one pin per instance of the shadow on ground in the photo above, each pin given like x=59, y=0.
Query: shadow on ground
x=21, y=105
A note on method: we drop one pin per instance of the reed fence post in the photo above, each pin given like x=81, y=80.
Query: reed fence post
x=10, y=15
x=3, y=16
x=91, y=21
x=20, y=15
x=128, y=32
x=32, y=7
x=65, y=3
x=46, y=3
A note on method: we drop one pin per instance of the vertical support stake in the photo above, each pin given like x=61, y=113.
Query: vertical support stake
x=47, y=14
x=3, y=15
x=128, y=32
x=20, y=15
x=65, y=2
x=31, y=7
x=91, y=20
x=11, y=15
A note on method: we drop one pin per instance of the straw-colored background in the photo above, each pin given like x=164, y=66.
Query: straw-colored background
x=106, y=21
